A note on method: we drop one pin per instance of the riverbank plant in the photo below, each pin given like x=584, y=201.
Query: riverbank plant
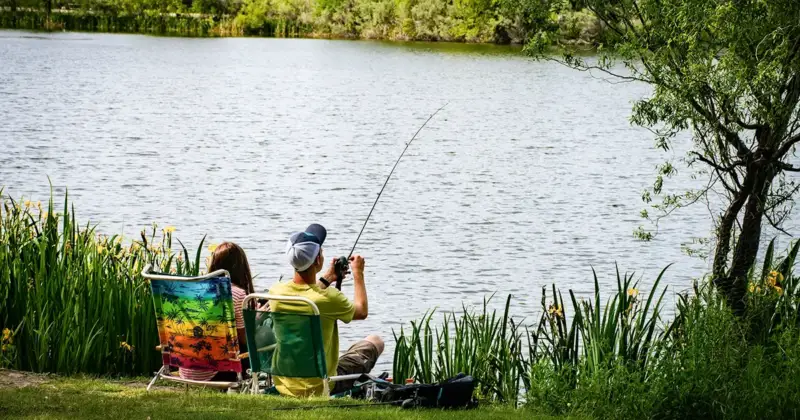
x=485, y=344
x=617, y=358
x=73, y=300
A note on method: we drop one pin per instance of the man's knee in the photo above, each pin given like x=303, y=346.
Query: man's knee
x=377, y=341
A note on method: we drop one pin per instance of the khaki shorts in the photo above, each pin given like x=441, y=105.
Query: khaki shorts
x=359, y=358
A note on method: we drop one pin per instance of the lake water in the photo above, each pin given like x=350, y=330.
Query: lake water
x=531, y=175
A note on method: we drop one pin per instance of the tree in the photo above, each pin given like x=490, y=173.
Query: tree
x=728, y=72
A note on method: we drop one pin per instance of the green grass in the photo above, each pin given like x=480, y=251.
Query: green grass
x=75, y=398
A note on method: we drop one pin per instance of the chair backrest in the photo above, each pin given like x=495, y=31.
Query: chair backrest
x=196, y=323
x=285, y=344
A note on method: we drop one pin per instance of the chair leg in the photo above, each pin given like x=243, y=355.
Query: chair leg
x=155, y=378
x=254, y=383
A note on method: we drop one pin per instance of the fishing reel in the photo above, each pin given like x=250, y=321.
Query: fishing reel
x=341, y=267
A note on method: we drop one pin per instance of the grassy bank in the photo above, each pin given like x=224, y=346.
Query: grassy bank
x=74, y=303
x=35, y=397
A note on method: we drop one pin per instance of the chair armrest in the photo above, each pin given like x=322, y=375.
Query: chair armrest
x=340, y=378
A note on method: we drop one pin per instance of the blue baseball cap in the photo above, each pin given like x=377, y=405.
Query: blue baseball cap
x=304, y=247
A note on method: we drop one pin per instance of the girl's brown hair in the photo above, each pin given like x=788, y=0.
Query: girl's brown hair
x=231, y=257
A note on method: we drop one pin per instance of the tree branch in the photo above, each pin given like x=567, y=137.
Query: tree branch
x=787, y=146
x=775, y=225
x=587, y=68
x=731, y=137
x=786, y=167
x=715, y=165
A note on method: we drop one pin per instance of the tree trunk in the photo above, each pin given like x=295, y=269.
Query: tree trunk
x=733, y=283
x=724, y=234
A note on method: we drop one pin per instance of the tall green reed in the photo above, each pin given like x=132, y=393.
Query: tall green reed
x=484, y=344
x=74, y=299
x=503, y=355
x=773, y=297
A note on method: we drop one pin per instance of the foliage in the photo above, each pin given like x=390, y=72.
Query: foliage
x=501, y=21
x=773, y=297
x=618, y=359
x=728, y=72
x=703, y=365
x=74, y=300
x=490, y=346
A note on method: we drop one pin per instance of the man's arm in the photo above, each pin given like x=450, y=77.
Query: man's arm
x=360, y=292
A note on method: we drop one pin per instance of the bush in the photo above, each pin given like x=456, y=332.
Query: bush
x=708, y=369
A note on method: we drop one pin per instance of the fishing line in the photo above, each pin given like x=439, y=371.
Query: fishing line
x=342, y=263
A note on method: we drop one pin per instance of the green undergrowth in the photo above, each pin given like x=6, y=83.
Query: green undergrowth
x=81, y=398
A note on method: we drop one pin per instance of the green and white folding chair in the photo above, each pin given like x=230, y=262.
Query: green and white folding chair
x=196, y=326
x=286, y=344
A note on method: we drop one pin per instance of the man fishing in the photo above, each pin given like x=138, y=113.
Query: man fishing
x=306, y=257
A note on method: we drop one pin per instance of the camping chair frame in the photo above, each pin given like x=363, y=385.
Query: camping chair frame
x=315, y=310
x=164, y=372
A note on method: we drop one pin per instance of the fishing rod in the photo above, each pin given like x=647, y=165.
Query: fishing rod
x=342, y=263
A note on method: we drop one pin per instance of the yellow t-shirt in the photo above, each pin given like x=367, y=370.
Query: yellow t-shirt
x=333, y=306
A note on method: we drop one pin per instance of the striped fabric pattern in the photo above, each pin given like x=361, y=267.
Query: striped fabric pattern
x=207, y=375
x=197, y=326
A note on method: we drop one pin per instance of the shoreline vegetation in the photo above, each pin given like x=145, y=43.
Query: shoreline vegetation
x=610, y=356
x=469, y=21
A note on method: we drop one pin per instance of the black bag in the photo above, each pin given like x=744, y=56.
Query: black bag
x=455, y=392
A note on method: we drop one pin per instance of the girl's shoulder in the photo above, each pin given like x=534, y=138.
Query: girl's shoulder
x=238, y=292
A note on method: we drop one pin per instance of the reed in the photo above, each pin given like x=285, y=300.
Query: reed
x=73, y=299
x=486, y=344
x=773, y=296
x=149, y=23
x=503, y=355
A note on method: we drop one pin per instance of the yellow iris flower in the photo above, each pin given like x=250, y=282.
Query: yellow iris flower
x=556, y=310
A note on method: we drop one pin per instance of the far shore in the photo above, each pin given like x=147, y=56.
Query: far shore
x=199, y=25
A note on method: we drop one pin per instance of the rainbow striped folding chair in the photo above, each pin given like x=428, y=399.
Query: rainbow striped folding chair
x=196, y=326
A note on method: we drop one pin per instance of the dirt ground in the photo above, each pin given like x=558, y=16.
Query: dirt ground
x=17, y=379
